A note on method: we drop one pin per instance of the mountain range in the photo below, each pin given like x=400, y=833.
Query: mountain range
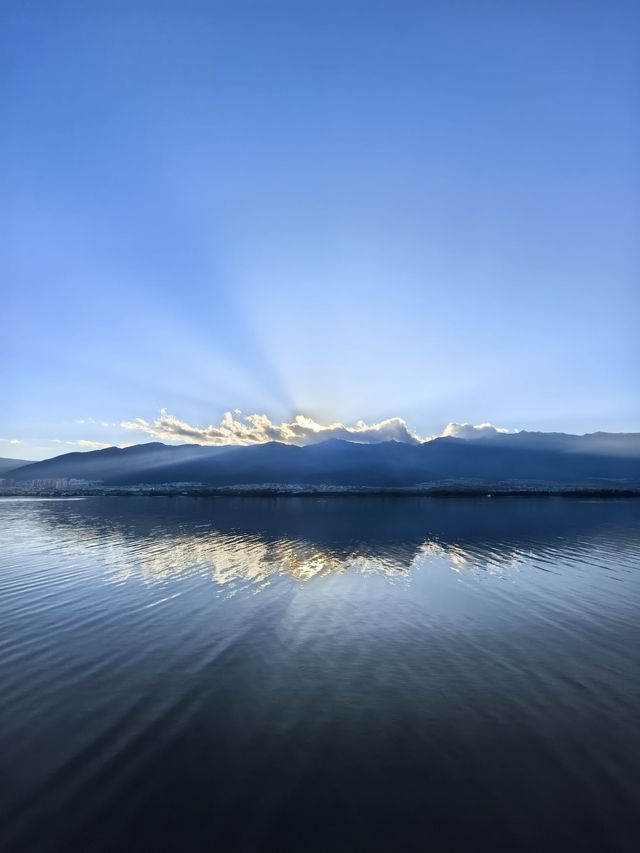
x=596, y=460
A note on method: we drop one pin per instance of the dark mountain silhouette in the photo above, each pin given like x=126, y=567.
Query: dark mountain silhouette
x=598, y=459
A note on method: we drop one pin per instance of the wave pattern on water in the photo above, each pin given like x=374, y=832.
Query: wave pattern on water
x=200, y=674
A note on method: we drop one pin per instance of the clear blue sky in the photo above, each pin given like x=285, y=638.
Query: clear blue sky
x=342, y=209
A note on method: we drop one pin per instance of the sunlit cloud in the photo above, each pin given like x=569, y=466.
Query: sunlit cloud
x=242, y=430
x=258, y=429
x=474, y=431
x=301, y=430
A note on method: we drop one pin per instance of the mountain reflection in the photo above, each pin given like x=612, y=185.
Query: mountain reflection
x=250, y=540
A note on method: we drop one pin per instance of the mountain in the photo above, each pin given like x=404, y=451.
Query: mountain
x=598, y=459
x=115, y=465
x=599, y=443
x=10, y=464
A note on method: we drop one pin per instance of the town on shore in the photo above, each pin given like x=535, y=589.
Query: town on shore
x=70, y=487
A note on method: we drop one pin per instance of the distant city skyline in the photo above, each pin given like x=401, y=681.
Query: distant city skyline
x=379, y=212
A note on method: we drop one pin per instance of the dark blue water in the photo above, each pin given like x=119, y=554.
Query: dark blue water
x=299, y=674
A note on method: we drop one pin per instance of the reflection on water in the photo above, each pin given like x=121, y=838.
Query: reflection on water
x=237, y=541
x=315, y=674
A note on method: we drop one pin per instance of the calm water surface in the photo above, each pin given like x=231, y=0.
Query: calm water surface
x=297, y=674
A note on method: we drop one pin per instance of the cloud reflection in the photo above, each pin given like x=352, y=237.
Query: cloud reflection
x=240, y=541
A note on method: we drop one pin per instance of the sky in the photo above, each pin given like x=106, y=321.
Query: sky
x=407, y=212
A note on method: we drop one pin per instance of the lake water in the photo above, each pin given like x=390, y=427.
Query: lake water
x=338, y=674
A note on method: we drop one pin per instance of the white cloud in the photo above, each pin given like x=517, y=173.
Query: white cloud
x=474, y=431
x=94, y=422
x=300, y=430
x=258, y=429
x=82, y=442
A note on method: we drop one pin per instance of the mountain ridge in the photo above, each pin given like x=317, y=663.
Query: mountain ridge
x=558, y=458
x=7, y=464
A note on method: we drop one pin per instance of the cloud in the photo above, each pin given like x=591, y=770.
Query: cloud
x=300, y=430
x=474, y=431
x=94, y=422
x=82, y=442
x=235, y=429
x=258, y=429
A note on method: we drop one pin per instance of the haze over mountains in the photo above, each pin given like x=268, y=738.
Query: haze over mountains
x=597, y=460
x=9, y=464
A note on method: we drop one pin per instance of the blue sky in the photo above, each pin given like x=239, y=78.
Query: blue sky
x=344, y=210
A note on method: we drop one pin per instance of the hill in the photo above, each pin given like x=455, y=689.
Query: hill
x=599, y=459
x=10, y=464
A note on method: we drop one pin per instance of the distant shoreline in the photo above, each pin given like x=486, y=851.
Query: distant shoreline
x=257, y=492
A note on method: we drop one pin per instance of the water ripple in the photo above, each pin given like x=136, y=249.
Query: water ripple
x=193, y=674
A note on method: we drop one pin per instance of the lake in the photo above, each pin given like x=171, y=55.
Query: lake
x=306, y=674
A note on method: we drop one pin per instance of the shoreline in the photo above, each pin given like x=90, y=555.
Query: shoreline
x=257, y=492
